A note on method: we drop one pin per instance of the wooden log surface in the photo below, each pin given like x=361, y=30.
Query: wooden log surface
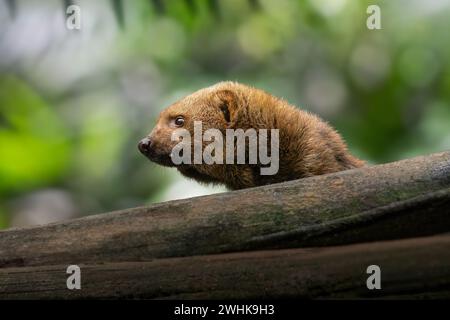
x=396, y=200
x=410, y=268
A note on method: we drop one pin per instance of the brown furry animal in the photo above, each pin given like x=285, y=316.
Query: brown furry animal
x=307, y=145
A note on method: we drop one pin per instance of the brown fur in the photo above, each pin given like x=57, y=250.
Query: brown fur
x=308, y=146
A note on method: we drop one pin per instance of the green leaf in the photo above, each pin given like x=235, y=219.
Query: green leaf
x=34, y=146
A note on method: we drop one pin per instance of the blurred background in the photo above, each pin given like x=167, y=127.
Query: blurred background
x=75, y=103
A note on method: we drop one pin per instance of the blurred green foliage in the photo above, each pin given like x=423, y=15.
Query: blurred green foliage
x=34, y=148
x=74, y=103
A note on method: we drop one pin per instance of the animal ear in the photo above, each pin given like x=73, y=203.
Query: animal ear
x=228, y=104
x=226, y=111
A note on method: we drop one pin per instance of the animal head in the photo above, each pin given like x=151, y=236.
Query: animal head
x=215, y=107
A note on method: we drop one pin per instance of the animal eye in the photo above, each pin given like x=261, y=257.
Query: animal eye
x=179, y=121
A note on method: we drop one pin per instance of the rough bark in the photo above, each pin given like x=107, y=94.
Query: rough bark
x=411, y=268
x=396, y=200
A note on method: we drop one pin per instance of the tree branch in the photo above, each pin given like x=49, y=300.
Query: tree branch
x=412, y=268
x=395, y=200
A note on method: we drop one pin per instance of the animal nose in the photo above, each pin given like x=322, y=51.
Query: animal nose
x=144, y=146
